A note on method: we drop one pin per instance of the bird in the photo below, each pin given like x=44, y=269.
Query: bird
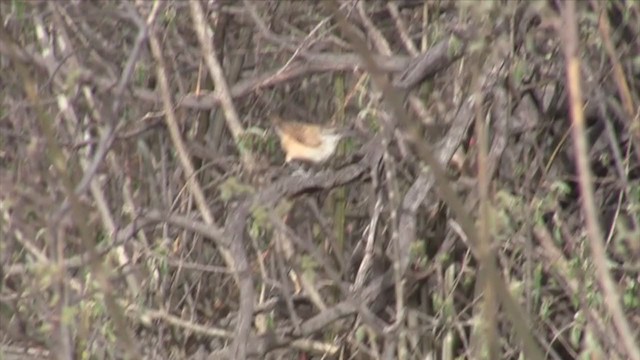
x=307, y=142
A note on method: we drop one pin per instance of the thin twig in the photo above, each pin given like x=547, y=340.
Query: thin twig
x=365, y=264
x=425, y=152
x=222, y=88
x=402, y=28
x=570, y=39
x=192, y=182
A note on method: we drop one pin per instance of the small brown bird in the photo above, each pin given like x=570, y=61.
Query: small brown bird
x=307, y=142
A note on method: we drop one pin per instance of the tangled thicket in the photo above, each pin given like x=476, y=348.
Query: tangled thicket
x=490, y=209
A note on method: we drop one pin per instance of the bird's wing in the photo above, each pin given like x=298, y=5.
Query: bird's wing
x=306, y=134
